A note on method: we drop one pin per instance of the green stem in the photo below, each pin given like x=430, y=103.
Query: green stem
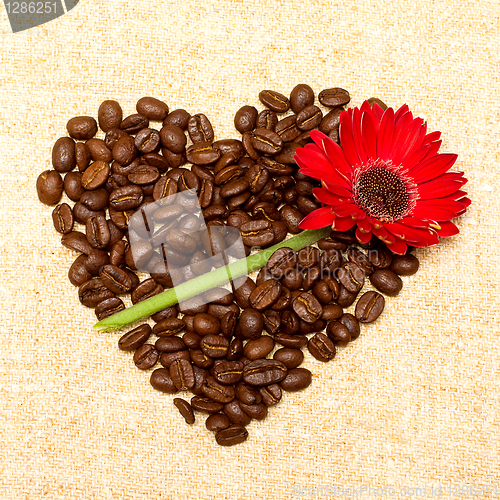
x=206, y=282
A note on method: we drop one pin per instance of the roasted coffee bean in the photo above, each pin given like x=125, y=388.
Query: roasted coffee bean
x=291, y=358
x=404, y=265
x=289, y=322
x=193, y=306
x=112, y=137
x=82, y=127
x=328, y=244
x=271, y=394
x=284, y=300
x=369, y=307
x=345, y=298
x=264, y=372
x=133, y=339
x=95, y=175
x=147, y=140
x=173, y=138
x=306, y=205
x=202, y=153
x=185, y=410
x=179, y=118
x=146, y=357
x=275, y=101
x=206, y=324
x=272, y=321
x=164, y=188
x=200, y=129
x=78, y=273
x=287, y=128
x=97, y=231
x=331, y=312
x=77, y=241
x=169, y=326
x=250, y=324
x=291, y=217
x=168, y=312
x=173, y=160
x=234, y=188
x=238, y=218
x=95, y=200
x=293, y=341
x=321, y=347
x=182, y=374
x=234, y=434
x=116, y=279
x=81, y=213
x=380, y=258
x=62, y=217
x=152, y=108
x=351, y=276
x=248, y=395
x=308, y=257
x=296, y=379
x=72, y=186
x=167, y=213
x=266, y=141
x=63, y=155
x=95, y=260
x=259, y=348
x=310, y=117
x=352, y=324
x=322, y=292
x=386, y=281
x=307, y=307
x=331, y=121
x=235, y=413
x=287, y=154
x=206, y=193
x=334, y=97
x=338, y=333
x=133, y=123
x=360, y=259
x=206, y=405
x=301, y=96
x=378, y=102
x=217, y=392
x=93, y=291
x=200, y=375
x=214, y=346
x=200, y=359
x=245, y=119
x=246, y=140
x=49, y=186
x=257, y=177
x=219, y=296
x=108, y=307
x=188, y=182
x=82, y=156
x=110, y=115
x=235, y=351
x=168, y=358
x=282, y=261
x=126, y=198
x=257, y=233
x=293, y=279
x=148, y=288
x=265, y=295
x=99, y=151
x=227, y=372
x=280, y=231
x=228, y=324
x=162, y=381
x=217, y=422
x=124, y=151
x=226, y=146
x=191, y=339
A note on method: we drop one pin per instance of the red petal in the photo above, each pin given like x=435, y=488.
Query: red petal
x=320, y=168
x=438, y=188
x=336, y=156
x=400, y=112
x=369, y=135
x=322, y=217
x=447, y=229
x=415, y=157
x=435, y=213
x=385, y=134
x=343, y=223
x=398, y=247
x=414, y=222
x=433, y=167
x=432, y=136
x=363, y=237
x=347, y=141
x=356, y=134
x=364, y=225
x=330, y=195
x=412, y=141
x=401, y=130
x=346, y=210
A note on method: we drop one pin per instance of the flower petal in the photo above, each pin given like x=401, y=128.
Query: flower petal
x=433, y=167
x=343, y=223
x=347, y=141
x=438, y=188
x=398, y=247
x=412, y=141
x=434, y=212
x=432, y=136
x=331, y=195
x=447, y=229
x=322, y=217
x=363, y=237
x=385, y=134
x=369, y=135
x=356, y=134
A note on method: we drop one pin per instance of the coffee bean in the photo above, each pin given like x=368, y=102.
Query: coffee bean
x=217, y=422
x=62, y=217
x=110, y=115
x=369, y=307
x=162, y=381
x=282, y=261
x=265, y=295
x=170, y=344
x=95, y=200
x=92, y=292
x=338, y=333
x=264, y=372
x=173, y=138
x=206, y=324
x=78, y=273
x=145, y=357
x=271, y=394
x=289, y=322
x=386, y=281
x=116, y=279
x=331, y=121
x=257, y=233
x=108, y=307
x=77, y=241
x=214, y=346
x=126, y=198
x=72, y=186
x=227, y=372
x=182, y=374
x=352, y=324
x=167, y=359
x=185, y=410
x=259, y=348
x=248, y=395
x=152, y=108
x=82, y=127
x=234, y=187
x=63, y=155
x=97, y=231
x=133, y=123
x=95, y=260
x=321, y=347
x=380, y=258
x=148, y=288
x=404, y=265
x=235, y=413
x=291, y=341
x=287, y=128
x=164, y=188
x=245, y=119
x=351, y=276
x=124, y=151
x=266, y=141
x=200, y=129
x=134, y=338
x=202, y=153
x=291, y=358
x=331, y=312
x=275, y=101
x=169, y=326
x=49, y=186
x=310, y=117
x=296, y=379
x=360, y=259
x=217, y=392
x=291, y=217
x=301, y=96
x=147, y=140
x=95, y=175
x=234, y=434
x=307, y=307
x=334, y=97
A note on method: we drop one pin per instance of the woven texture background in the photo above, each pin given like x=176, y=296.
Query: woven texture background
x=413, y=402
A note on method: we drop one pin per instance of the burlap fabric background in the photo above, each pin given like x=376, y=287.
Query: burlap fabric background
x=414, y=402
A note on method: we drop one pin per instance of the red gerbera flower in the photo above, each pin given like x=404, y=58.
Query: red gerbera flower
x=387, y=179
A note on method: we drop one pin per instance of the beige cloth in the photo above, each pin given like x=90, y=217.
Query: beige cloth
x=414, y=402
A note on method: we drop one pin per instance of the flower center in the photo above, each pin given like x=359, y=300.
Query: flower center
x=382, y=192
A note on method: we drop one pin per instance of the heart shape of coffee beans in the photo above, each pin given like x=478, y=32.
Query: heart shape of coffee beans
x=236, y=351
